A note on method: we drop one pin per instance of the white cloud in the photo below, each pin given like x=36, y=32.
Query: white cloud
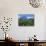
x=29, y=17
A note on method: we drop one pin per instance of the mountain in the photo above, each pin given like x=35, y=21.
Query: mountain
x=23, y=17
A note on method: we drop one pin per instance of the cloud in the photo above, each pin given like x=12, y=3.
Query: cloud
x=30, y=17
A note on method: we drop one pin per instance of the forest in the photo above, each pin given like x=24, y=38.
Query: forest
x=26, y=22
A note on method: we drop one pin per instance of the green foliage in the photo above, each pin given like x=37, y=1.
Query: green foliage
x=26, y=22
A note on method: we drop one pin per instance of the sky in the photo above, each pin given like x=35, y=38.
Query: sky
x=26, y=16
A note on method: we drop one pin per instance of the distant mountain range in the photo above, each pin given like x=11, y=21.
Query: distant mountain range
x=25, y=18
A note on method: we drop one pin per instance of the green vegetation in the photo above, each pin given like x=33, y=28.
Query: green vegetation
x=26, y=22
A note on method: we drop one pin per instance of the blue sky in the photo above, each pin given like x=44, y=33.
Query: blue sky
x=25, y=16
